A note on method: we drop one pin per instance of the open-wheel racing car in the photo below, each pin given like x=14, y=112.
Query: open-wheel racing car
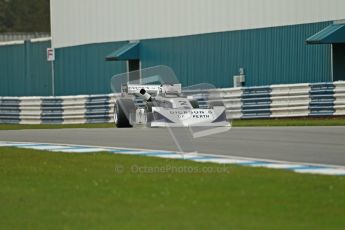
x=164, y=104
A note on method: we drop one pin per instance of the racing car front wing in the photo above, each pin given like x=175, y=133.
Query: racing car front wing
x=163, y=117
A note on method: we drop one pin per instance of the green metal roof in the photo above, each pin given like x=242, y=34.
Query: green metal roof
x=129, y=51
x=331, y=34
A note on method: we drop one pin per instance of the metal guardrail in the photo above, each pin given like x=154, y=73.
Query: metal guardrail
x=295, y=100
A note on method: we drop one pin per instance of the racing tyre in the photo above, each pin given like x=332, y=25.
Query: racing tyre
x=124, y=109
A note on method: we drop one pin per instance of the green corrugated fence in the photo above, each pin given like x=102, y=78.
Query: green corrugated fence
x=24, y=69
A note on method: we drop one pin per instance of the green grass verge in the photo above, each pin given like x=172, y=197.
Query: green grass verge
x=44, y=190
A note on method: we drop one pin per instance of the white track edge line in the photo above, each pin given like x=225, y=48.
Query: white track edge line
x=201, y=154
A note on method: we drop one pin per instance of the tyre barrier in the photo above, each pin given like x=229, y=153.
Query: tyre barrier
x=275, y=101
x=57, y=110
x=278, y=101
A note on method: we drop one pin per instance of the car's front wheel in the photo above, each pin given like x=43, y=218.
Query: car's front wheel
x=123, y=110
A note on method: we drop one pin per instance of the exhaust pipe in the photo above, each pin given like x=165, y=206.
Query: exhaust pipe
x=145, y=95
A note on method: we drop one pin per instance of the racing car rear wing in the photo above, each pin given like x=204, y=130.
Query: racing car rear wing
x=151, y=89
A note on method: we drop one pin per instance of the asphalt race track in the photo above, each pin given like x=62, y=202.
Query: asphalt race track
x=321, y=145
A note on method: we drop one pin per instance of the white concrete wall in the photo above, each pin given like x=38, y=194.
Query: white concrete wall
x=76, y=22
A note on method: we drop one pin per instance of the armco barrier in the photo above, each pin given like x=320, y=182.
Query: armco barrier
x=294, y=100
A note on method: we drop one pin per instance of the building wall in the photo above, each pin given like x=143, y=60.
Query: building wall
x=76, y=22
x=270, y=56
x=276, y=55
x=24, y=70
x=83, y=69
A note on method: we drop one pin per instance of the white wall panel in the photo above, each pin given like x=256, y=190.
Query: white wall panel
x=76, y=22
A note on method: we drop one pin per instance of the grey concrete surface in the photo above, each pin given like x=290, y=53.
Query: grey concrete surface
x=323, y=145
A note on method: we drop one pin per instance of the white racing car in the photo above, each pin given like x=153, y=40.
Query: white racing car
x=165, y=106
